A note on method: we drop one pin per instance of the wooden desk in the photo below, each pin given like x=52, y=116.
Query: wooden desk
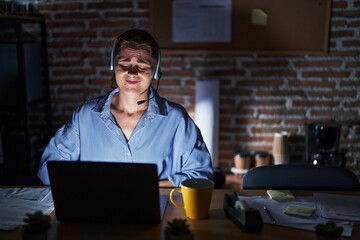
x=217, y=226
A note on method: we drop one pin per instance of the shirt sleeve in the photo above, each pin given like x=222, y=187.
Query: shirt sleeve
x=190, y=154
x=64, y=145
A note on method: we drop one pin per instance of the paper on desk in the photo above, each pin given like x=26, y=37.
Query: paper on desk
x=42, y=194
x=335, y=206
x=16, y=202
x=277, y=209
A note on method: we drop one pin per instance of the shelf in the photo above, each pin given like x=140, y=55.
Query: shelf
x=24, y=97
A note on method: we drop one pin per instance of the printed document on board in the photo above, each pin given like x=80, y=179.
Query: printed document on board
x=201, y=20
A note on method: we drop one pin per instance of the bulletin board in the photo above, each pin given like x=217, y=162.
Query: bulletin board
x=293, y=27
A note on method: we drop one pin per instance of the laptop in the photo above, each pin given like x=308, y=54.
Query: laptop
x=106, y=192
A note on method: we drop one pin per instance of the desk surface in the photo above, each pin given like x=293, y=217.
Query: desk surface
x=217, y=226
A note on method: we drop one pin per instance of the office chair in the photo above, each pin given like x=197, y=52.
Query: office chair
x=301, y=176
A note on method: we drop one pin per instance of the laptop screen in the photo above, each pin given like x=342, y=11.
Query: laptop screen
x=105, y=192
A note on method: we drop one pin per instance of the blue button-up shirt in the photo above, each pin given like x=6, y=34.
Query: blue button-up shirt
x=165, y=135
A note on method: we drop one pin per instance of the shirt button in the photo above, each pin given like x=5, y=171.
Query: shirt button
x=129, y=154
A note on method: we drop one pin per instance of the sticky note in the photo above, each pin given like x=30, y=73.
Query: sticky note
x=258, y=17
x=280, y=195
x=303, y=211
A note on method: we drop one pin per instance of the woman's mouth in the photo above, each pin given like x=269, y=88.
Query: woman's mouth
x=131, y=81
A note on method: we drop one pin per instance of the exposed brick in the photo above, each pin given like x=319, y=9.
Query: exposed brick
x=76, y=16
x=281, y=111
x=69, y=81
x=215, y=63
x=307, y=84
x=279, y=93
x=75, y=34
x=327, y=74
x=177, y=91
x=335, y=113
x=256, y=139
x=60, y=6
x=351, y=43
x=317, y=103
x=127, y=14
x=344, y=13
x=354, y=24
x=237, y=129
x=259, y=83
x=235, y=91
x=274, y=63
x=293, y=121
x=271, y=131
x=333, y=93
x=165, y=63
x=352, y=104
x=209, y=72
x=106, y=24
x=263, y=103
x=312, y=64
x=111, y=5
x=338, y=23
x=261, y=121
x=353, y=64
x=269, y=73
x=339, y=4
x=64, y=44
x=344, y=53
x=73, y=72
x=234, y=111
x=181, y=73
x=170, y=82
x=63, y=25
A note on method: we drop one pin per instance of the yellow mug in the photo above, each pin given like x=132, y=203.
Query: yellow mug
x=196, y=195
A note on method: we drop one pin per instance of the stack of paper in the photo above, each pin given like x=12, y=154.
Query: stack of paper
x=341, y=209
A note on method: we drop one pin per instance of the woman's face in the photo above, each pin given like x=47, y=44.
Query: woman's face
x=134, y=71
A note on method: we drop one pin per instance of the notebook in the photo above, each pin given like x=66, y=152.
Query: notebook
x=106, y=192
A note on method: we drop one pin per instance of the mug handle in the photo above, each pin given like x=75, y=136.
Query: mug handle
x=173, y=200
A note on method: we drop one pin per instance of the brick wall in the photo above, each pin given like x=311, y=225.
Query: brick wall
x=259, y=94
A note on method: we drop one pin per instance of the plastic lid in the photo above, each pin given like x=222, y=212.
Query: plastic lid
x=261, y=154
x=242, y=154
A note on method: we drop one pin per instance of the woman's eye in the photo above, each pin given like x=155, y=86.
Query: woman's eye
x=143, y=69
x=126, y=67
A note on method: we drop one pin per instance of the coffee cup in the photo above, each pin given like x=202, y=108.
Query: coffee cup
x=262, y=159
x=242, y=160
x=196, y=195
x=281, y=147
x=280, y=143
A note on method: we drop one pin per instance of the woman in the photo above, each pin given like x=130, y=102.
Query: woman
x=132, y=123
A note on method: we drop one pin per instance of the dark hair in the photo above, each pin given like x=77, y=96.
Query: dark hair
x=136, y=39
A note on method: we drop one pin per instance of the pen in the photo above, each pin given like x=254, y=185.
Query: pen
x=269, y=214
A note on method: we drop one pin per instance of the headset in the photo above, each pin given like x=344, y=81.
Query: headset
x=156, y=75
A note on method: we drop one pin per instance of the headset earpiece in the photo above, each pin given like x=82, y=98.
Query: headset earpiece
x=112, y=56
x=157, y=73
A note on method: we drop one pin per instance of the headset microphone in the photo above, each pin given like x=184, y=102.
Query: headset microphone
x=156, y=76
x=157, y=86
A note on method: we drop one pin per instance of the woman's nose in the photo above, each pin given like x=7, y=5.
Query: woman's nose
x=133, y=70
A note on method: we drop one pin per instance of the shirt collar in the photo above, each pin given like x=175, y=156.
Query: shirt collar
x=157, y=104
